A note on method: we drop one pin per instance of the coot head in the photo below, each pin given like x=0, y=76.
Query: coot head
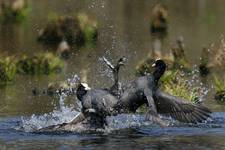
x=82, y=90
x=121, y=61
x=160, y=68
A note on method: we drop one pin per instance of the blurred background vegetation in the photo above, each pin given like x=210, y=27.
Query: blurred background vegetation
x=47, y=41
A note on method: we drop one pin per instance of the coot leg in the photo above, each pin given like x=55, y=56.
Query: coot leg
x=152, y=111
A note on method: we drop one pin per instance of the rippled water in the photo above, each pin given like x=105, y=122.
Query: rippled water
x=208, y=135
x=124, y=31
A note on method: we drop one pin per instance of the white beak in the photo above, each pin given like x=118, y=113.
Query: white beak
x=86, y=87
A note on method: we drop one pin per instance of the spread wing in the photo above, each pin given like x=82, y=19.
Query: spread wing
x=176, y=108
x=77, y=120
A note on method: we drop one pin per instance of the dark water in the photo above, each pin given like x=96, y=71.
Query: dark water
x=124, y=31
x=208, y=135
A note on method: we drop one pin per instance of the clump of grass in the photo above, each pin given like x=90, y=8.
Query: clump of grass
x=62, y=28
x=89, y=28
x=77, y=31
x=13, y=11
x=219, y=84
x=220, y=89
x=175, y=84
x=45, y=63
x=175, y=60
x=7, y=70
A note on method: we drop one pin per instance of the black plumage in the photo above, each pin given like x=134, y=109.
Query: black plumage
x=180, y=110
x=144, y=90
x=141, y=91
x=98, y=103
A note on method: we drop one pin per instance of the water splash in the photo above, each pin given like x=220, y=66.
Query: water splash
x=193, y=84
x=67, y=114
x=96, y=4
x=104, y=70
x=124, y=121
x=71, y=85
x=61, y=115
x=196, y=83
x=35, y=122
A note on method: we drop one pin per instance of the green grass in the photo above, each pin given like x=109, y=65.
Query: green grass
x=79, y=30
x=44, y=63
x=220, y=89
x=7, y=70
x=219, y=84
x=8, y=15
x=176, y=85
x=89, y=28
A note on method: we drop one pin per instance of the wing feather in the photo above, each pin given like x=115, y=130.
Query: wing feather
x=176, y=108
